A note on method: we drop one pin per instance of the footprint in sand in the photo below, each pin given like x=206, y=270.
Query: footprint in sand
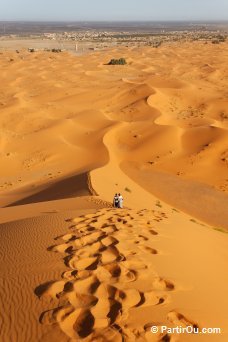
x=162, y=284
x=116, y=272
x=101, y=285
x=148, y=249
x=153, y=232
x=180, y=320
x=89, y=263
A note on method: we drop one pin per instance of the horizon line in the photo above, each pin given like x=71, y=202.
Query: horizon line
x=113, y=21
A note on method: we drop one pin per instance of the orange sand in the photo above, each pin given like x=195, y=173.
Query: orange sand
x=154, y=130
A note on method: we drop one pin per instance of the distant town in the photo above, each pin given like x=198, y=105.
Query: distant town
x=140, y=38
x=97, y=36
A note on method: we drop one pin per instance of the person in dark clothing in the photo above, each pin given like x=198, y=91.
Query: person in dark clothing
x=116, y=201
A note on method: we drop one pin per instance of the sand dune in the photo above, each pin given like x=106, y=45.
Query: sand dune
x=59, y=110
x=75, y=186
x=74, y=131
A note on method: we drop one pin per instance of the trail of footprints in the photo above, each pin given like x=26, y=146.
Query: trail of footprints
x=95, y=295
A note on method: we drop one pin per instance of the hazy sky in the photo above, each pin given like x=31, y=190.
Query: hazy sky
x=113, y=10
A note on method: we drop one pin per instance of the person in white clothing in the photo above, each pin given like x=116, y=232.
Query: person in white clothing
x=120, y=201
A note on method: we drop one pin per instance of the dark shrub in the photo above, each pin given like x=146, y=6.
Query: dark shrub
x=121, y=61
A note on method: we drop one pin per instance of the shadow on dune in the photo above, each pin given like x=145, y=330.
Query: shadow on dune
x=73, y=186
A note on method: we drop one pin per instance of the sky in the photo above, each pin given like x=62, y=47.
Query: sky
x=111, y=10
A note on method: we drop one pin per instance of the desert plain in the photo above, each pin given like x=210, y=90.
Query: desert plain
x=73, y=132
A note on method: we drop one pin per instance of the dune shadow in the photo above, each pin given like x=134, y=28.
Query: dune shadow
x=74, y=186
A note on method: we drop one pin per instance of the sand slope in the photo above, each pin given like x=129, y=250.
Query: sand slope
x=128, y=270
x=26, y=262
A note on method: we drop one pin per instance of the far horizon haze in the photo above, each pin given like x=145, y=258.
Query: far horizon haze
x=127, y=10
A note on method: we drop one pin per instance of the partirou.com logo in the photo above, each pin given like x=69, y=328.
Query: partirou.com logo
x=184, y=330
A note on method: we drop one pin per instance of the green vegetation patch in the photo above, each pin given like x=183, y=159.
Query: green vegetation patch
x=121, y=61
